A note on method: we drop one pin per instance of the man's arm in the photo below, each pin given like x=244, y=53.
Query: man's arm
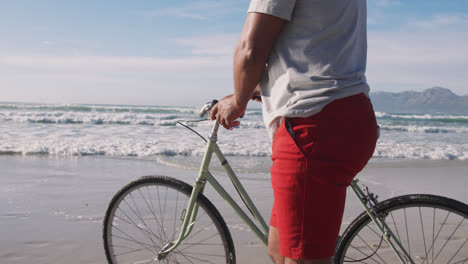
x=252, y=51
x=250, y=57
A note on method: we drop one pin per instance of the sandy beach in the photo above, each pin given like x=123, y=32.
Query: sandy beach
x=51, y=208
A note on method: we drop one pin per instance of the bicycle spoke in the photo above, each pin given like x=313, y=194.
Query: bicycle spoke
x=407, y=232
x=433, y=233
x=145, y=232
x=140, y=225
x=132, y=251
x=136, y=226
x=201, y=254
x=203, y=240
x=199, y=259
x=130, y=239
x=200, y=230
x=160, y=213
x=183, y=255
x=144, y=261
x=175, y=257
x=164, y=212
x=408, y=217
x=182, y=219
x=422, y=227
x=394, y=224
x=202, y=244
x=456, y=253
x=152, y=211
x=431, y=249
x=138, y=215
x=120, y=246
x=373, y=231
x=360, y=260
x=175, y=215
x=437, y=236
x=449, y=238
x=377, y=254
x=461, y=261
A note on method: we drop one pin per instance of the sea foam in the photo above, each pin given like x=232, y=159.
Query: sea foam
x=152, y=131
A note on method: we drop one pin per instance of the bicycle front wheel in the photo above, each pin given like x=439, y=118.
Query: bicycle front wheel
x=147, y=214
x=432, y=229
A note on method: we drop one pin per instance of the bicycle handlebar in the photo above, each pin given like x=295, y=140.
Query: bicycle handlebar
x=207, y=107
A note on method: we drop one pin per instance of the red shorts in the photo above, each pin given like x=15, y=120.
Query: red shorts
x=314, y=160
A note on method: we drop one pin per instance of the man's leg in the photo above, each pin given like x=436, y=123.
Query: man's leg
x=315, y=261
x=274, y=246
x=275, y=255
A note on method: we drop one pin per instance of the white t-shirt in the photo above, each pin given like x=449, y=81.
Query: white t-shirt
x=319, y=56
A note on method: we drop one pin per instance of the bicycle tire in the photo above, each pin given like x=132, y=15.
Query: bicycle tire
x=147, y=213
x=438, y=227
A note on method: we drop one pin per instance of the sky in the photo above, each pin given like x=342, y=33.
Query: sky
x=179, y=52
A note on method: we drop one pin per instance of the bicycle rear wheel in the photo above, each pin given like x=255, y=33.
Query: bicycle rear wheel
x=432, y=229
x=147, y=214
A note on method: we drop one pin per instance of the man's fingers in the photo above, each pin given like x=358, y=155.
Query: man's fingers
x=223, y=113
x=223, y=123
x=235, y=123
x=220, y=120
x=226, y=124
x=256, y=98
x=213, y=112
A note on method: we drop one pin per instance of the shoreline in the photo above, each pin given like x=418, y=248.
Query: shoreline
x=52, y=206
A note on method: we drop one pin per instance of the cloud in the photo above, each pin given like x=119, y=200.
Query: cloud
x=115, y=79
x=420, y=55
x=111, y=62
x=200, y=10
x=207, y=52
x=222, y=44
x=47, y=42
x=386, y=3
x=418, y=48
x=203, y=74
x=378, y=12
x=446, y=21
x=177, y=12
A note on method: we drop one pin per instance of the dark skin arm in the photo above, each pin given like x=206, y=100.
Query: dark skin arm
x=250, y=57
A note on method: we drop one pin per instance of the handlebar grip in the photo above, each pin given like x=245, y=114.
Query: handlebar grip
x=207, y=107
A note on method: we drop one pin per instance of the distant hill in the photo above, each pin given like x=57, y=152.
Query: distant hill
x=436, y=100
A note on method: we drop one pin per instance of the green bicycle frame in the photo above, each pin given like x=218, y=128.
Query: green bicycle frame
x=387, y=233
x=204, y=175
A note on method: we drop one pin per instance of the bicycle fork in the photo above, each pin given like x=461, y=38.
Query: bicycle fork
x=190, y=213
x=368, y=202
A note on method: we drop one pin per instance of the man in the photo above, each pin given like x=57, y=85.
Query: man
x=307, y=60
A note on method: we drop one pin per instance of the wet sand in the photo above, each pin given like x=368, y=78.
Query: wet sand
x=51, y=208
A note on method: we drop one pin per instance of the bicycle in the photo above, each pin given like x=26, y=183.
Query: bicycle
x=158, y=219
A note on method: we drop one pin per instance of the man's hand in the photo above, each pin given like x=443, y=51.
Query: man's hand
x=226, y=111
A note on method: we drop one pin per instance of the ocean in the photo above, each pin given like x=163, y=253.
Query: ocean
x=62, y=164
x=152, y=132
